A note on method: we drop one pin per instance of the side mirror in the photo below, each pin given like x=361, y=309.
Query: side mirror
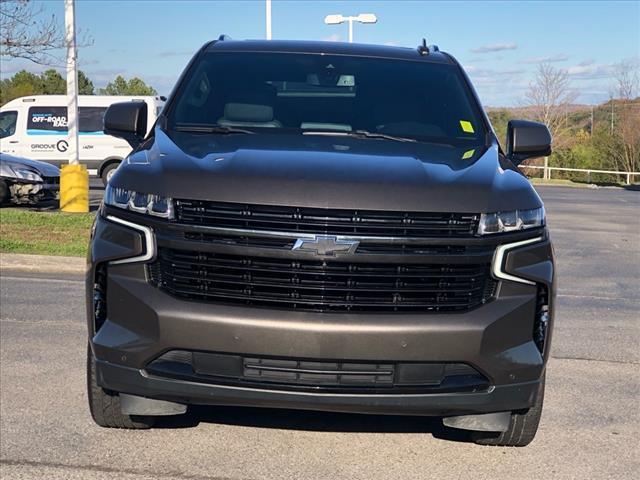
x=527, y=140
x=127, y=120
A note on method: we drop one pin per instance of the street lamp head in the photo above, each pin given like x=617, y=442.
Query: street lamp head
x=333, y=19
x=367, y=18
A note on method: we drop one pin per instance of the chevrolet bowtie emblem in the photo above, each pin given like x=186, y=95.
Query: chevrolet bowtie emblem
x=325, y=245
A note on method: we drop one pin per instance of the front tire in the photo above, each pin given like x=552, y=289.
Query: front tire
x=522, y=428
x=105, y=405
x=5, y=194
x=108, y=171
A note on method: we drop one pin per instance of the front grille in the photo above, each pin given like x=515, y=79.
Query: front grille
x=51, y=180
x=317, y=375
x=318, y=285
x=370, y=247
x=325, y=221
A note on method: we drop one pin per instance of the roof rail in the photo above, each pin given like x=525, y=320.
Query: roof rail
x=224, y=37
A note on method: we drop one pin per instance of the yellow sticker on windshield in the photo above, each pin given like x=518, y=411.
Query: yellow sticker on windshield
x=468, y=154
x=466, y=126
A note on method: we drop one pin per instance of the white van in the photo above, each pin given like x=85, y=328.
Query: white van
x=36, y=128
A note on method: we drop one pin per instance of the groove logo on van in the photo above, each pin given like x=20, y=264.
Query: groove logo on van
x=60, y=145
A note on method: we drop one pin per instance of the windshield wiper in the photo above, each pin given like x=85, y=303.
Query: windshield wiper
x=221, y=129
x=359, y=134
x=367, y=134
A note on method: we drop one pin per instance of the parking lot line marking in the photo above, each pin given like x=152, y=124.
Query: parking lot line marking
x=597, y=297
x=585, y=359
x=38, y=279
x=79, y=324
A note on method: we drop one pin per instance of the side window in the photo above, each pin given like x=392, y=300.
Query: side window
x=8, y=123
x=47, y=121
x=91, y=119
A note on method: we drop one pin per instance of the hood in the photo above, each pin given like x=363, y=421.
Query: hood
x=327, y=172
x=41, y=168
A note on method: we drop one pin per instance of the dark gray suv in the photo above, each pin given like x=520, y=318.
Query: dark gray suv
x=322, y=226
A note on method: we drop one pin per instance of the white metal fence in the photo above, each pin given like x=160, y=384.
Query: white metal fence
x=547, y=172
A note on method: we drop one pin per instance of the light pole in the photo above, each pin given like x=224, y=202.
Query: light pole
x=72, y=81
x=268, y=18
x=362, y=18
x=74, y=178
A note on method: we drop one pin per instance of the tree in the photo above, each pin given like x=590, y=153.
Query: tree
x=25, y=32
x=50, y=82
x=85, y=86
x=21, y=84
x=53, y=83
x=549, y=97
x=626, y=79
x=135, y=86
x=499, y=120
x=622, y=145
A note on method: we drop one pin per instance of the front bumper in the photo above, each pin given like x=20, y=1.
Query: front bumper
x=143, y=322
x=24, y=191
x=136, y=382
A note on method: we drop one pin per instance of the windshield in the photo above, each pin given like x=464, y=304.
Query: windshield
x=8, y=123
x=312, y=94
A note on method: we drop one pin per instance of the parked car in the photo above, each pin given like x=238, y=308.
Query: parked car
x=27, y=181
x=36, y=127
x=322, y=226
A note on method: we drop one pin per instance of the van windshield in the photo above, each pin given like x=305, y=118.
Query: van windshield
x=313, y=94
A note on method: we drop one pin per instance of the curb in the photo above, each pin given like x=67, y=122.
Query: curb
x=42, y=263
x=591, y=186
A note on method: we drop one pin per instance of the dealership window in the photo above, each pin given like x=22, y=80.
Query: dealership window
x=52, y=120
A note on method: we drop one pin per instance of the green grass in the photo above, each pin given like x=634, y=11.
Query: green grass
x=44, y=232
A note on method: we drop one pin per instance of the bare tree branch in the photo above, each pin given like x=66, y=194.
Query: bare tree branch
x=549, y=98
x=26, y=32
x=626, y=134
x=627, y=79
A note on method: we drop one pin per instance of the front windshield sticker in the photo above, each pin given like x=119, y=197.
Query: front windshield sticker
x=468, y=154
x=466, y=126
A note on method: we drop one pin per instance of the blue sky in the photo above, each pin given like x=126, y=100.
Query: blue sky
x=499, y=43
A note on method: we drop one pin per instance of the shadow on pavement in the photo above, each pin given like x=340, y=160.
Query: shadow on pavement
x=312, y=421
x=49, y=206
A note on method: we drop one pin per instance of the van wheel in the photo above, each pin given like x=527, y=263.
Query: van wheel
x=105, y=405
x=522, y=429
x=5, y=194
x=108, y=171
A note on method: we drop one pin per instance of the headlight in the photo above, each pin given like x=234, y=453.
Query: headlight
x=29, y=175
x=148, y=203
x=510, y=221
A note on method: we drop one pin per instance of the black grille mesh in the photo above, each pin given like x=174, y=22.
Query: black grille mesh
x=325, y=221
x=321, y=285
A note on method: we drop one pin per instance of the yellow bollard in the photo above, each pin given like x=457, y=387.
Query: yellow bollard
x=74, y=188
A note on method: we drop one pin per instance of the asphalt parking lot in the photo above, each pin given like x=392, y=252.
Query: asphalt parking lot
x=590, y=425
